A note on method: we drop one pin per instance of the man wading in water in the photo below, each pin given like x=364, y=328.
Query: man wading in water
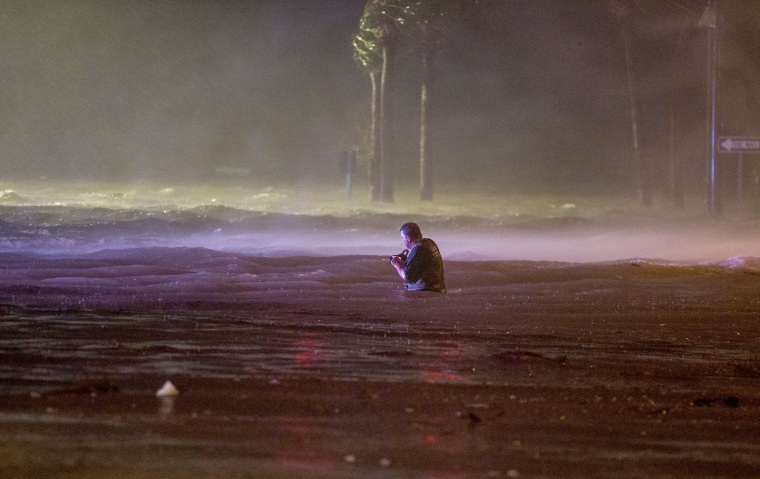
x=422, y=268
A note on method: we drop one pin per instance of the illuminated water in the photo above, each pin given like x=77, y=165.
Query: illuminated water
x=234, y=282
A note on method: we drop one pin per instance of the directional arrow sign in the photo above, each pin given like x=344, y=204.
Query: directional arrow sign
x=738, y=143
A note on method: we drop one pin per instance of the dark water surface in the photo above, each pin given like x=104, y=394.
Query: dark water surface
x=180, y=311
x=568, y=344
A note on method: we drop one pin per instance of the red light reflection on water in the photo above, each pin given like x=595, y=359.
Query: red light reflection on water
x=435, y=376
x=307, y=350
x=303, y=431
x=441, y=370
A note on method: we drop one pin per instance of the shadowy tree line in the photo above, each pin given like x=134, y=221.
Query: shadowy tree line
x=388, y=29
x=629, y=14
x=685, y=35
x=661, y=62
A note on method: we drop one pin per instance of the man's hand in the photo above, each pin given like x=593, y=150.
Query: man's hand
x=399, y=264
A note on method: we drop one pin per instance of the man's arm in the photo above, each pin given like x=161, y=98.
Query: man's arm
x=399, y=264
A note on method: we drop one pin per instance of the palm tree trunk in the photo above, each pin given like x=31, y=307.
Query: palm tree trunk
x=426, y=191
x=645, y=191
x=676, y=161
x=375, y=182
x=426, y=170
x=385, y=120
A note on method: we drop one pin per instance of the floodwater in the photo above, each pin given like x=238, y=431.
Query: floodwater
x=205, y=313
x=566, y=312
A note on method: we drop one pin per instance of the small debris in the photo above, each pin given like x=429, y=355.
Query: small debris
x=167, y=390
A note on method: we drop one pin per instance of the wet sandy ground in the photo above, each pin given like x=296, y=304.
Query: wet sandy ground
x=627, y=370
x=323, y=428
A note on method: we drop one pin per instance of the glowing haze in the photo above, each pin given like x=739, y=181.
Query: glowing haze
x=531, y=119
x=527, y=91
x=65, y=217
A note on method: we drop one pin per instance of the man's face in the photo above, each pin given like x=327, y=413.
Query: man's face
x=407, y=242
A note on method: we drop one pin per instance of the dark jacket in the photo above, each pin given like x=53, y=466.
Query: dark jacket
x=424, y=268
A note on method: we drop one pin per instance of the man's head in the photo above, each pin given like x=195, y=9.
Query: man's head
x=410, y=234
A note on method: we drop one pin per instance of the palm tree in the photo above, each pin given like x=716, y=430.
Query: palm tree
x=385, y=28
x=428, y=36
x=366, y=44
x=433, y=19
x=429, y=21
x=375, y=48
x=622, y=11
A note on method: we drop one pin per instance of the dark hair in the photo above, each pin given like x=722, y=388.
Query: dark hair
x=411, y=230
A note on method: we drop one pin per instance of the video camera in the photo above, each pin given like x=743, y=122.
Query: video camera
x=401, y=255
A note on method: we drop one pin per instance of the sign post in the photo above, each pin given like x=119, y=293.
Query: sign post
x=709, y=21
x=739, y=145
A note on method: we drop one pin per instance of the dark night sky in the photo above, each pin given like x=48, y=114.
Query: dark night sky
x=528, y=92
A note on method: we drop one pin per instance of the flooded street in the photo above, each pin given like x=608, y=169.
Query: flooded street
x=572, y=342
x=199, y=201
x=523, y=369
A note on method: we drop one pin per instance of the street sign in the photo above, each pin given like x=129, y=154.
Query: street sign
x=738, y=144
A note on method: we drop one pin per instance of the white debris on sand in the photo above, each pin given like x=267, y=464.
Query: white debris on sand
x=168, y=389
